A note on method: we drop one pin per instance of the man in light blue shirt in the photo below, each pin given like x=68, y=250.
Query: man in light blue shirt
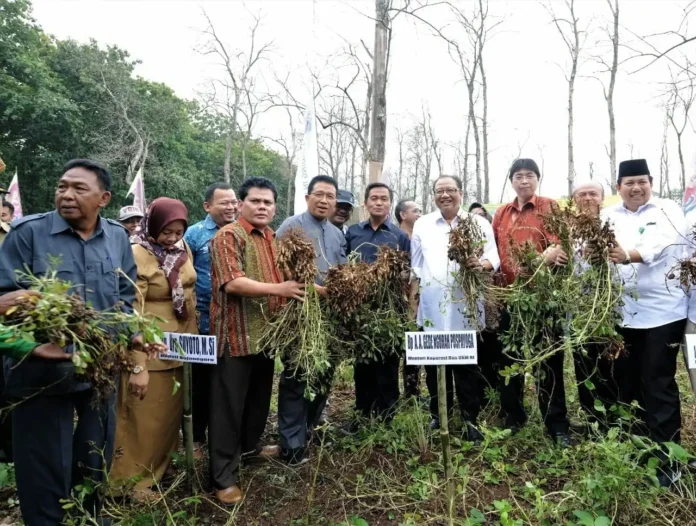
x=221, y=205
x=296, y=415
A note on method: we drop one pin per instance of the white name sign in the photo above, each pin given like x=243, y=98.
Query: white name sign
x=690, y=351
x=193, y=348
x=441, y=348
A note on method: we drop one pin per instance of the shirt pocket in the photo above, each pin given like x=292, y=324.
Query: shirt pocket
x=108, y=280
x=64, y=268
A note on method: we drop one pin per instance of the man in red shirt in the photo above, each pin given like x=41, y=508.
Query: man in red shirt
x=517, y=222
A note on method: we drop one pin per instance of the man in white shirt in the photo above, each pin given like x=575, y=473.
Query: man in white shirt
x=650, y=233
x=590, y=362
x=691, y=294
x=441, y=305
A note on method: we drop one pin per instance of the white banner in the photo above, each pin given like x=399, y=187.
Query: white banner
x=193, y=348
x=13, y=196
x=137, y=189
x=308, y=160
x=441, y=348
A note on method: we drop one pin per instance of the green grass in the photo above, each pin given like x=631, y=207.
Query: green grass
x=393, y=475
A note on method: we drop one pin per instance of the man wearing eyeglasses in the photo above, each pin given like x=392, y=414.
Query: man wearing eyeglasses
x=221, y=205
x=296, y=415
x=514, y=224
x=440, y=306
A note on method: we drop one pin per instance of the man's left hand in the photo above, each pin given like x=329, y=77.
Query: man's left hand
x=474, y=263
x=618, y=254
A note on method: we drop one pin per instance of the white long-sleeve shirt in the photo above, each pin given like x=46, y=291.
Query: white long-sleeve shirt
x=657, y=231
x=441, y=306
x=691, y=248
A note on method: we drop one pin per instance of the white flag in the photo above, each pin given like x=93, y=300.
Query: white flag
x=137, y=188
x=13, y=196
x=308, y=162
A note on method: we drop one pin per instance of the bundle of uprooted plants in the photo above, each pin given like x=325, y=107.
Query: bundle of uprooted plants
x=568, y=307
x=370, y=304
x=99, y=339
x=300, y=332
x=686, y=268
x=466, y=241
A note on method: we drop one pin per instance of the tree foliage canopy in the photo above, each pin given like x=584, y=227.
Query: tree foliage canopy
x=60, y=99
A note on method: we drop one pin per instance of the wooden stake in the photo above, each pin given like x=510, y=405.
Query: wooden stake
x=445, y=438
x=188, y=426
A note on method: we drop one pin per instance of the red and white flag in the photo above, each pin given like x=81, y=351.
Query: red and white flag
x=137, y=188
x=13, y=196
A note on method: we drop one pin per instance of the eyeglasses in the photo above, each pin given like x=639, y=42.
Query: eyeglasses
x=321, y=196
x=442, y=191
x=526, y=177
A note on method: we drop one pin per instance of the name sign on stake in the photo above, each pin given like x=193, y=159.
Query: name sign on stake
x=192, y=348
x=441, y=348
x=690, y=351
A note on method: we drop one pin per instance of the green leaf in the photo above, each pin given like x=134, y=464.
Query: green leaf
x=585, y=518
x=358, y=521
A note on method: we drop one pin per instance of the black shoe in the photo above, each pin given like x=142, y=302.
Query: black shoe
x=473, y=434
x=562, y=440
x=350, y=429
x=294, y=457
x=514, y=429
x=667, y=476
x=104, y=521
x=435, y=424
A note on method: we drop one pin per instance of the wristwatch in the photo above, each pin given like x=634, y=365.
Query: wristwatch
x=138, y=369
x=627, y=261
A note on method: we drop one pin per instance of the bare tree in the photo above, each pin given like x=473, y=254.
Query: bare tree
x=681, y=98
x=230, y=92
x=664, y=157
x=608, y=90
x=573, y=38
x=288, y=142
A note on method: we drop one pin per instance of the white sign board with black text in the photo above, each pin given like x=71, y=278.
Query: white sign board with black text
x=441, y=348
x=192, y=348
x=690, y=351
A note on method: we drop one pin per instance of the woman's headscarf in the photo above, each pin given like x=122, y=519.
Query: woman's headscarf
x=161, y=212
x=474, y=206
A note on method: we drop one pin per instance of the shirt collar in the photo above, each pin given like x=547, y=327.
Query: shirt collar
x=439, y=218
x=314, y=220
x=532, y=202
x=384, y=226
x=651, y=202
x=59, y=225
x=210, y=224
x=267, y=232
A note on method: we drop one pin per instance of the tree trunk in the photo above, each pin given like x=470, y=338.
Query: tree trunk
x=477, y=140
x=610, y=95
x=682, y=174
x=228, y=156
x=445, y=438
x=484, y=132
x=378, y=132
x=571, y=154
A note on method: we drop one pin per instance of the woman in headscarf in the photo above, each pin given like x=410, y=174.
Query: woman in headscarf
x=150, y=409
x=478, y=209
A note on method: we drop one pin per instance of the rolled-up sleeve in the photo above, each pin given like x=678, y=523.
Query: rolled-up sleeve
x=227, y=258
x=15, y=254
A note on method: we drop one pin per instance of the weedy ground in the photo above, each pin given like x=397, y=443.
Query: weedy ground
x=392, y=475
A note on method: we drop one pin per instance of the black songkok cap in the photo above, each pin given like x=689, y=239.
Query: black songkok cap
x=633, y=167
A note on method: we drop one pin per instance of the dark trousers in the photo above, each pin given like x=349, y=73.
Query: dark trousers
x=411, y=376
x=200, y=388
x=549, y=384
x=377, y=386
x=52, y=455
x=646, y=373
x=465, y=380
x=593, y=367
x=5, y=421
x=296, y=414
x=240, y=399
